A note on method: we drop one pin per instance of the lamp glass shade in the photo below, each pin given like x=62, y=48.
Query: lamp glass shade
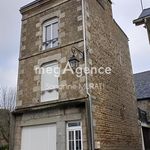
x=74, y=62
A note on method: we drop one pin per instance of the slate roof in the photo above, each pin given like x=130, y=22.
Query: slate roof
x=142, y=85
x=145, y=14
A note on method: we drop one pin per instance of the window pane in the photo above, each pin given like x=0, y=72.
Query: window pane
x=73, y=145
x=55, y=34
x=48, y=33
x=55, y=30
x=80, y=145
x=77, y=135
x=78, y=140
x=80, y=135
x=73, y=124
x=48, y=36
x=70, y=145
x=71, y=140
x=77, y=145
x=71, y=135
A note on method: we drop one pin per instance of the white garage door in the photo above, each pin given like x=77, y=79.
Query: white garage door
x=41, y=137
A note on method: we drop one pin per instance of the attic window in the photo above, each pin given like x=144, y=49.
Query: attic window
x=102, y=3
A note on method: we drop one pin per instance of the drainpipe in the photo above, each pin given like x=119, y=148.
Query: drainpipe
x=143, y=146
x=89, y=103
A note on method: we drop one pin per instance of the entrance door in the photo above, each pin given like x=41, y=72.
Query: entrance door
x=41, y=137
x=146, y=136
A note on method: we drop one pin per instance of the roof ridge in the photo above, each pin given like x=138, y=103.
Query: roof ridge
x=142, y=72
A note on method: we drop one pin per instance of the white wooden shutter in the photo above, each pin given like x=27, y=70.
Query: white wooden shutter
x=49, y=82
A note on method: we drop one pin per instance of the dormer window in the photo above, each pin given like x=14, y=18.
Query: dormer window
x=50, y=34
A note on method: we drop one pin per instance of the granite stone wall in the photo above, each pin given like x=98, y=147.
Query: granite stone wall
x=114, y=104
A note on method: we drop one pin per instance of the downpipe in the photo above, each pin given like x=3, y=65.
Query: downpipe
x=89, y=102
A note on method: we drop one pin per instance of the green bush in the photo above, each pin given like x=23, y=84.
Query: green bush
x=4, y=147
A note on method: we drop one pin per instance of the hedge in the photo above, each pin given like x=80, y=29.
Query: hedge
x=4, y=147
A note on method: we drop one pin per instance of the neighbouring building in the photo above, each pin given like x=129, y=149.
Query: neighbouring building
x=142, y=85
x=69, y=112
x=144, y=19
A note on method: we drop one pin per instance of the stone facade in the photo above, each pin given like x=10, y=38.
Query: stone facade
x=31, y=54
x=144, y=105
x=116, y=126
x=59, y=115
x=144, y=121
x=113, y=106
x=142, y=82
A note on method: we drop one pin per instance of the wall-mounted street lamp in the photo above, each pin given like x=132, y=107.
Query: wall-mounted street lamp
x=74, y=62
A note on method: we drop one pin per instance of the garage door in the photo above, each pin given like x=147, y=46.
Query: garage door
x=41, y=137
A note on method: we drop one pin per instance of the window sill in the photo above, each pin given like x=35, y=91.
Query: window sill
x=48, y=50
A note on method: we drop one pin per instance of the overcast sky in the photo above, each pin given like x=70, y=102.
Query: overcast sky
x=125, y=11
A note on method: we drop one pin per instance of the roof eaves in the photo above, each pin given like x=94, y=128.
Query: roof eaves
x=143, y=99
x=140, y=21
x=144, y=15
x=29, y=5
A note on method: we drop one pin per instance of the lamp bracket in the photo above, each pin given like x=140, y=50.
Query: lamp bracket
x=74, y=49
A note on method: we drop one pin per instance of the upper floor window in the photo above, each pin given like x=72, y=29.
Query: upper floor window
x=50, y=34
x=49, y=82
x=74, y=136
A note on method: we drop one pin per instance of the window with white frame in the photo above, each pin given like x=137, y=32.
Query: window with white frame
x=49, y=81
x=50, y=34
x=74, y=136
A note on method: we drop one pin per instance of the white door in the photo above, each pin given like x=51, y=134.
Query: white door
x=41, y=137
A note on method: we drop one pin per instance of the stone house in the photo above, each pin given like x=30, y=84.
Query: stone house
x=142, y=85
x=70, y=112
